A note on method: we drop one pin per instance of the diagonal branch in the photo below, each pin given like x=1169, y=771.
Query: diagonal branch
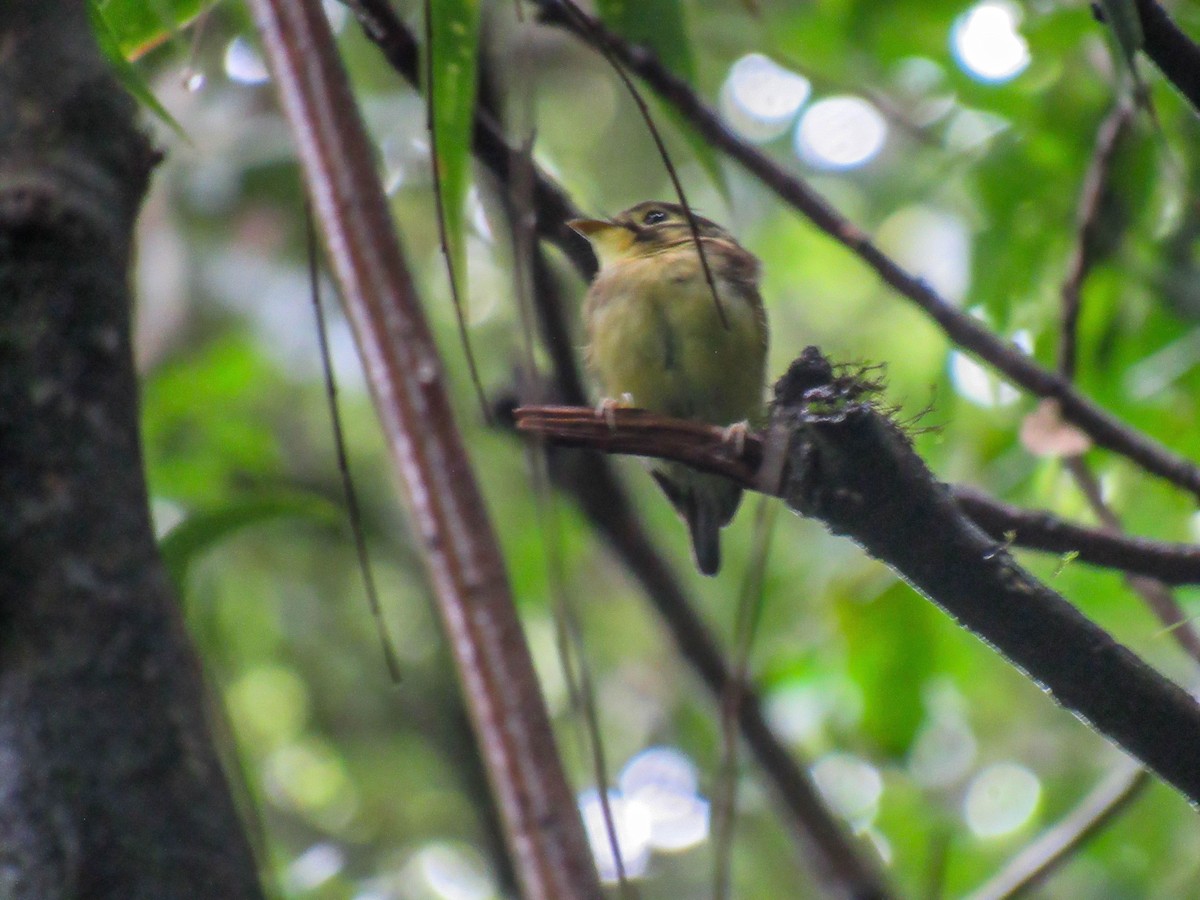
x=1054, y=846
x=544, y=832
x=1176, y=55
x=1040, y=530
x=1103, y=427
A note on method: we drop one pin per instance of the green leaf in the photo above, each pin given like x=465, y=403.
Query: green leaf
x=127, y=74
x=453, y=31
x=203, y=530
x=140, y=25
x=889, y=649
x=659, y=25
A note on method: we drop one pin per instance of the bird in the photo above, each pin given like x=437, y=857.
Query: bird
x=657, y=340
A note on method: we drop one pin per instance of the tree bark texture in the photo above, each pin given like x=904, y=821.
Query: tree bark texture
x=109, y=782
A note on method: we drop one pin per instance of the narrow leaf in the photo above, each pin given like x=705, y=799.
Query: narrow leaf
x=202, y=531
x=141, y=25
x=454, y=39
x=127, y=74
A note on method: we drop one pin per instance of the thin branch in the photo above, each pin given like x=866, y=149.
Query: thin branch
x=1103, y=427
x=585, y=22
x=1108, y=137
x=1156, y=595
x=1054, y=846
x=895, y=509
x=542, y=825
x=1039, y=530
x=1175, y=54
x=353, y=510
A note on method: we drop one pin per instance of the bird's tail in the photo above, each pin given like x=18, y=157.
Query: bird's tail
x=707, y=503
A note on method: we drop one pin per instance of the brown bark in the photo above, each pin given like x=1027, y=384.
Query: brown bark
x=109, y=783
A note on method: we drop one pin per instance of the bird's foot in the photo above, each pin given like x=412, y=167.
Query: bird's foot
x=606, y=407
x=735, y=434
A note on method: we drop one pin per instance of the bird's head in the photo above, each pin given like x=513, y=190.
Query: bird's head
x=643, y=230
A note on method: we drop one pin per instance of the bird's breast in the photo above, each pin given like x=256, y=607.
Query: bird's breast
x=654, y=331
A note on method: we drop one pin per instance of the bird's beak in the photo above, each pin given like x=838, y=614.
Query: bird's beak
x=588, y=227
x=610, y=241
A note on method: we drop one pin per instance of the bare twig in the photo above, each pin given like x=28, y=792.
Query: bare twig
x=353, y=510
x=1054, y=846
x=544, y=832
x=1156, y=595
x=1048, y=533
x=1103, y=427
x=1108, y=138
x=585, y=22
x=1176, y=55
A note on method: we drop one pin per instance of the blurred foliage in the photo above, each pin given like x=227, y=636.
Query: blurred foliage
x=367, y=789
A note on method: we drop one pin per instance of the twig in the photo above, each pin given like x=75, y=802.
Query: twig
x=1175, y=54
x=897, y=511
x=1156, y=595
x=585, y=22
x=542, y=825
x=1103, y=427
x=353, y=509
x=1043, y=531
x=1108, y=138
x=1054, y=846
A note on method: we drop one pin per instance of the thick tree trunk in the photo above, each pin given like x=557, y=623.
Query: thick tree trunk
x=109, y=783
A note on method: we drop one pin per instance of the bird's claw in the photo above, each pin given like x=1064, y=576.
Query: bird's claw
x=735, y=434
x=606, y=407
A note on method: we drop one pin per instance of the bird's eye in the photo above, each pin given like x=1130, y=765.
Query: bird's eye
x=654, y=217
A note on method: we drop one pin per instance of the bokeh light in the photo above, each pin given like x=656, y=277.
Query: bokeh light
x=243, y=64
x=760, y=98
x=314, y=867
x=987, y=43
x=850, y=785
x=631, y=822
x=942, y=752
x=981, y=386
x=933, y=245
x=447, y=871
x=1001, y=799
x=663, y=782
x=840, y=133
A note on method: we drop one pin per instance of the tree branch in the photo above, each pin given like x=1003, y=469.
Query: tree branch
x=1175, y=54
x=1105, y=429
x=543, y=828
x=1040, y=530
x=849, y=466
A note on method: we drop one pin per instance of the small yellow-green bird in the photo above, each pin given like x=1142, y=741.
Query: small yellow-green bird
x=656, y=340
